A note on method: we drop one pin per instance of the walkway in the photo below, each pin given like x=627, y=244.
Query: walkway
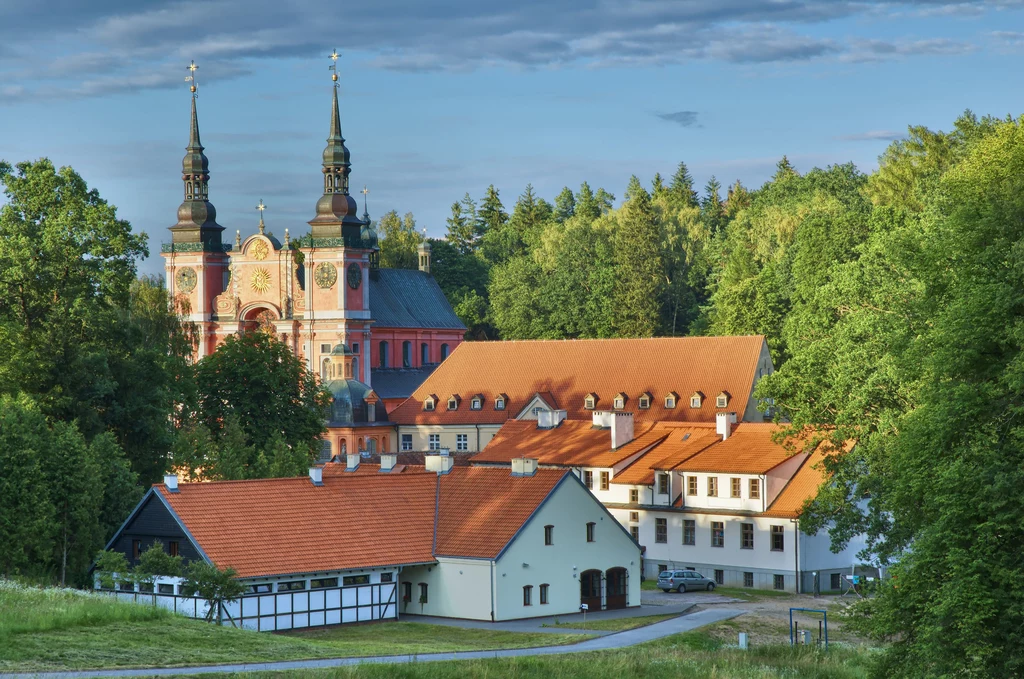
x=605, y=643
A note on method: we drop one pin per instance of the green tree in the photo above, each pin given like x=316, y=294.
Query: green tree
x=587, y=207
x=399, y=240
x=712, y=209
x=565, y=204
x=217, y=587
x=638, y=264
x=681, y=187
x=464, y=227
x=112, y=568
x=491, y=215
x=154, y=562
x=463, y=279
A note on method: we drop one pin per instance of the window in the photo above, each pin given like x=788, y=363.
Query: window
x=722, y=400
x=169, y=589
x=634, y=496
x=499, y=403
x=172, y=548
x=544, y=594
x=644, y=402
x=384, y=355
x=387, y=577
x=662, y=484
x=324, y=583
x=746, y=536
x=407, y=354
x=424, y=353
x=476, y=404
x=462, y=442
x=429, y=403
x=778, y=539
x=712, y=486
x=444, y=351
x=717, y=534
x=549, y=535
x=589, y=402
x=588, y=479
x=736, y=488
x=146, y=587
x=604, y=480
x=689, y=532
x=528, y=595
x=719, y=577
x=406, y=441
x=423, y=592
x=136, y=548
x=635, y=532
x=670, y=401
x=779, y=581
x=634, y=517
x=661, y=530
x=434, y=442
x=355, y=347
x=350, y=580
x=590, y=531
x=407, y=591
x=748, y=579
x=294, y=586
x=835, y=581
x=691, y=485
x=126, y=586
x=755, y=489
x=453, y=403
x=696, y=400
x=662, y=568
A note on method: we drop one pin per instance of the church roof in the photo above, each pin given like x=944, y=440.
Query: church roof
x=405, y=298
x=399, y=382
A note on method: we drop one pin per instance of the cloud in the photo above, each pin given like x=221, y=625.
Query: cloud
x=681, y=118
x=873, y=135
x=882, y=50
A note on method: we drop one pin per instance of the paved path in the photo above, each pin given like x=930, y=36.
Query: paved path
x=605, y=643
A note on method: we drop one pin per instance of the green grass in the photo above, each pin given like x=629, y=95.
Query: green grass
x=615, y=624
x=694, y=655
x=57, y=630
x=752, y=594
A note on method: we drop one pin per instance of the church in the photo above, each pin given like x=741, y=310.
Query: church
x=373, y=334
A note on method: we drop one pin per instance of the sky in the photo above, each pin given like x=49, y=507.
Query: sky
x=443, y=98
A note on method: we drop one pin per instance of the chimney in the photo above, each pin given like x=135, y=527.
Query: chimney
x=602, y=418
x=316, y=475
x=352, y=462
x=388, y=461
x=723, y=424
x=171, y=481
x=549, y=419
x=622, y=429
x=442, y=464
x=524, y=466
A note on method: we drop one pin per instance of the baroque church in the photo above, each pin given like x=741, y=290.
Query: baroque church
x=372, y=334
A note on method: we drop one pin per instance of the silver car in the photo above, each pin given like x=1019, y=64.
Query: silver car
x=684, y=581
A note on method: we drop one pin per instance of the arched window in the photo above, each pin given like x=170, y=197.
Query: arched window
x=383, y=355
x=406, y=354
x=188, y=189
x=343, y=448
x=330, y=181
x=355, y=367
x=371, y=446
x=444, y=351
x=424, y=353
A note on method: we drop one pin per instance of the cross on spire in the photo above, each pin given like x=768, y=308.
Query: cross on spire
x=261, y=207
x=334, y=67
x=364, y=192
x=191, y=77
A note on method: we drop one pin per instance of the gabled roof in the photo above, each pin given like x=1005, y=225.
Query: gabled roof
x=406, y=298
x=750, y=449
x=803, y=486
x=571, y=369
x=398, y=382
x=573, y=443
x=681, y=442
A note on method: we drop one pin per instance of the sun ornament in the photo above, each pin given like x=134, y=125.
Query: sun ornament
x=326, y=274
x=260, y=250
x=186, y=279
x=260, y=280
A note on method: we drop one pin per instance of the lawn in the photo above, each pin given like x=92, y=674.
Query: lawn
x=694, y=655
x=61, y=629
x=614, y=624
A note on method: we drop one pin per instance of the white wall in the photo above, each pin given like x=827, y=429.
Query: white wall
x=456, y=588
x=724, y=499
x=559, y=565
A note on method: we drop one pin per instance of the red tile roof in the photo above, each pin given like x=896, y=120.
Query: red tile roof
x=570, y=369
x=357, y=519
x=750, y=449
x=571, y=443
x=682, y=441
x=800, y=489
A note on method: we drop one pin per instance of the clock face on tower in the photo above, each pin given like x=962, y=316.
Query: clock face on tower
x=355, y=276
x=186, y=279
x=325, y=274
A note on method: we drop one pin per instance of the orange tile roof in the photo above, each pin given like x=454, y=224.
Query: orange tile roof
x=570, y=369
x=748, y=450
x=682, y=441
x=481, y=510
x=267, y=527
x=801, y=488
x=572, y=443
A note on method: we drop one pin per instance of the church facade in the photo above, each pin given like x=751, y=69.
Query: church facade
x=322, y=293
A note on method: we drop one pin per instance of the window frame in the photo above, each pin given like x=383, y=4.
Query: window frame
x=690, y=532
x=605, y=480
x=291, y=586
x=173, y=548
x=387, y=577
x=589, y=403
x=544, y=594
x=664, y=483
x=527, y=595
x=748, y=579
x=324, y=583
x=661, y=531
x=712, y=486
x=755, y=489
x=778, y=582
x=719, y=576
x=433, y=442
x=591, y=531
x=424, y=593
x=718, y=533
x=462, y=442
x=355, y=580
x=429, y=404
x=735, y=487
x=691, y=486
x=406, y=442
x=588, y=479
x=634, y=532
x=476, y=404
x=778, y=536
x=644, y=402
x=670, y=402
x=746, y=535
x=453, y=403
x=499, y=403
x=634, y=517
x=634, y=496
x=549, y=535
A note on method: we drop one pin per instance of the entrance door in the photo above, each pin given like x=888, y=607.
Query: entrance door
x=615, y=588
x=590, y=589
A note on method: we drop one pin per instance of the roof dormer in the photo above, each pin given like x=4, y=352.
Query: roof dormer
x=644, y=402
x=590, y=401
x=501, y=401
x=430, y=402
x=722, y=400
x=453, y=402
x=696, y=399
x=619, y=402
x=477, y=402
x=671, y=399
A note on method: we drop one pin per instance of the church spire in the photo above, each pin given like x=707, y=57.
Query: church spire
x=336, y=211
x=197, y=218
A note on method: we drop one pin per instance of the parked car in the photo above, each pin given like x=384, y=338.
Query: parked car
x=684, y=581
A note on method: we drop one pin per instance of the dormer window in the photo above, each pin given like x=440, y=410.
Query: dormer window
x=696, y=399
x=453, y=402
x=590, y=401
x=722, y=400
x=430, y=402
x=619, y=402
x=644, y=402
x=499, y=401
x=671, y=399
x=477, y=403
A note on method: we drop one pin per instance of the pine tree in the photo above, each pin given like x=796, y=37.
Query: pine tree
x=784, y=169
x=491, y=215
x=681, y=187
x=587, y=206
x=638, y=264
x=605, y=200
x=657, y=186
x=461, y=225
x=565, y=205
x=712, y=210
x=737, y=199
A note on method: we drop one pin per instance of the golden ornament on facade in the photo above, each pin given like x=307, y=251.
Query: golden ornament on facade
x=260, y=250
x=186, y=279
x=260, y=280
x=326, y=274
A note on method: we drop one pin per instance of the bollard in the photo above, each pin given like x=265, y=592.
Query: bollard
x=744, y=641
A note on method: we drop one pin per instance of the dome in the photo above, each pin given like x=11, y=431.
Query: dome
x=348, y=401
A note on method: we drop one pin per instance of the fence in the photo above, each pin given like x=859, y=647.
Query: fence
x=285, y=610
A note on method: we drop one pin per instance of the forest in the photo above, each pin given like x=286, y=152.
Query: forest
x=892, y=302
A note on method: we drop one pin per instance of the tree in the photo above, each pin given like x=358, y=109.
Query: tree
x=565, y=204
x=154, y=562
x=464, y=228
x=587, y=206
x=681, y=187
x=256, y=381
x=638, y=264
x=217, y=587
x=111, y=568
x=463, y=279
x=712, y=209
x=491, y=215
x=399, y=240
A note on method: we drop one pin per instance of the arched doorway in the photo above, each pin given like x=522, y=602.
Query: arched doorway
x=615, y=581
x=590, y=589
x=260, y=318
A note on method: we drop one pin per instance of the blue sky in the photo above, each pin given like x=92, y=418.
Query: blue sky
x=443, y=98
